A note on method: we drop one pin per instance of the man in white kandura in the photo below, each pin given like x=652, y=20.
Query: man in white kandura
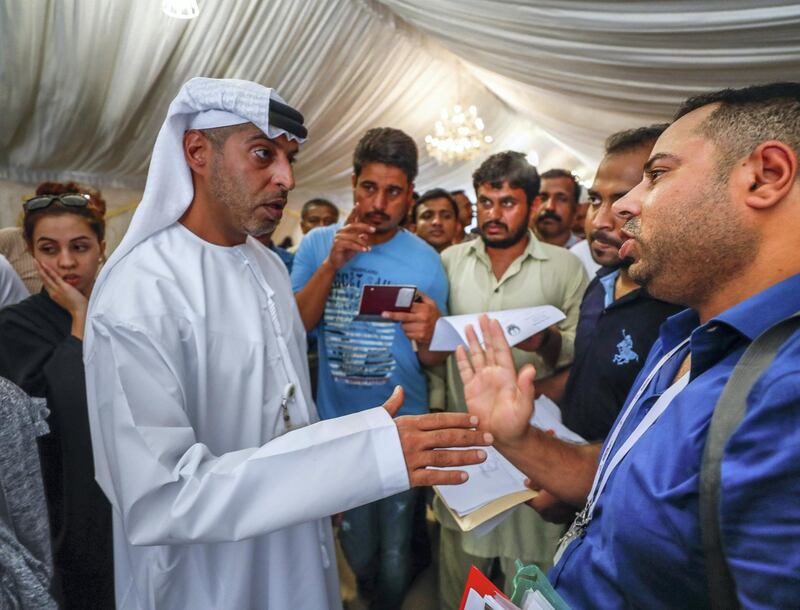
x=205, y=437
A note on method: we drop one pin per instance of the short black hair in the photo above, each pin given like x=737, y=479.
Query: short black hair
x=747, y=117
x=552, y=174
x=219, y=135
x=633, y=139
x=317, y=201
x=434, y=194
x=508, y=166
x=388, y=146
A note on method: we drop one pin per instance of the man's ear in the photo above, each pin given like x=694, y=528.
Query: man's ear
x=772, y=174
x=197, y=150
x=354, y=180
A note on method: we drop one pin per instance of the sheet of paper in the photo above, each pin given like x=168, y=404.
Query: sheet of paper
x=547, y=416
x=494, y=478
x=495, y=602
x=534, y=600
x=518, y=325
x=487, y=526
x=474, y=601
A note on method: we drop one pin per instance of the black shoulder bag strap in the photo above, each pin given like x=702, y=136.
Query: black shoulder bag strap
x=728, y=412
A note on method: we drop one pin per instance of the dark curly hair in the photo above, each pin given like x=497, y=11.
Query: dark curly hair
x=94, y=212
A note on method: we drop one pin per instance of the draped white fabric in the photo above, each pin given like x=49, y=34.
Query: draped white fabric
x=85, y=84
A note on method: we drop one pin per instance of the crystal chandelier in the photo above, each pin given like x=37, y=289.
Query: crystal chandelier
x=181, y=9
x=458, y=136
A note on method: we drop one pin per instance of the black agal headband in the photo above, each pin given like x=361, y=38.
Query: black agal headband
x=287, y=118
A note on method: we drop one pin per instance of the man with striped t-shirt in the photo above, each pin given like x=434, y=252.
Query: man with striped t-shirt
x=360, y=360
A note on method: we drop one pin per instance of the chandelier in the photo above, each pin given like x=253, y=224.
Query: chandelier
x=458, y=136
x=180, y=9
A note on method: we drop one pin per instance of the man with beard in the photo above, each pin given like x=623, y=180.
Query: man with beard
x=619, y=321
x=558, y=205
x=507, y=268
x=712, y=226
x=361, y=360
x=205, y=437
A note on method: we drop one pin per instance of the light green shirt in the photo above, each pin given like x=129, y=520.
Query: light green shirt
x=542, y=275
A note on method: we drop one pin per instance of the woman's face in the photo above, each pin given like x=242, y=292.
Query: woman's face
x=67, y=244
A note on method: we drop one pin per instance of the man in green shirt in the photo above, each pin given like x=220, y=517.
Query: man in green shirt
x=507, y=268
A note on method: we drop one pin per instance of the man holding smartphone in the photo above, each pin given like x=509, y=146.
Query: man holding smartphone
x=360, y=360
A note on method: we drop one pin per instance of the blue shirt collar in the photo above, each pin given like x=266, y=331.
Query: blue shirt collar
x=754, y=315
x=745, y=320
x=608, y=281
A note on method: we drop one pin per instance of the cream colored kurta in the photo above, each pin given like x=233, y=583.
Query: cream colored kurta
x=542, y=275
x=216, y=506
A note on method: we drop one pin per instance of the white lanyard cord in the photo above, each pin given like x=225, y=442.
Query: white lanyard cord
x=603, y=474
x=283, y=348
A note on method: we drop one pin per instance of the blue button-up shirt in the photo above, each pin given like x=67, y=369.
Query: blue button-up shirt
x=643, y=548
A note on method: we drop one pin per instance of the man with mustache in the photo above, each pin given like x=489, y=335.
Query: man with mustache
x=507, y=268
x=205, y=437
x=361, y=360
x=557, y=206
x=619, y=320
x=712, y=226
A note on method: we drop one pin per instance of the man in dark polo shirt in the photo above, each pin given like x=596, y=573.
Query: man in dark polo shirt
x=619, y=321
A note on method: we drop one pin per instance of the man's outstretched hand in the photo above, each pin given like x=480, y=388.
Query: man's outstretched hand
x=501, y=398
x=428, y=440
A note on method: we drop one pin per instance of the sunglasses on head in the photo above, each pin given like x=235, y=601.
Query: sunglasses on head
x=70, y=200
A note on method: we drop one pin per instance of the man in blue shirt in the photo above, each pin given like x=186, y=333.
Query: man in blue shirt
x=361, y=360
x=619, y=320
x=713, y=226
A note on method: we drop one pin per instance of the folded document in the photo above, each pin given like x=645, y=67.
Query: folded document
x=496, y=486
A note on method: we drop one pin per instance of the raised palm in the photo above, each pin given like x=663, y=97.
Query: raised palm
x=501, y=398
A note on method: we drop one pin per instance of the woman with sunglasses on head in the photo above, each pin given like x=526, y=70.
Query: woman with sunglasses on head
x=41, y=344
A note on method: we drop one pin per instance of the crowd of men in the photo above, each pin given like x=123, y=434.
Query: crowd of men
x=237, y=401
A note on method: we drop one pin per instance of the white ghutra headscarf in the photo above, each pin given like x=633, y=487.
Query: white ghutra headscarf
x=202, y=103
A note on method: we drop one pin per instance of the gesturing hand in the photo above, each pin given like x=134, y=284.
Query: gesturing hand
x=427, y=440
x=350, y=240
x=501, y=398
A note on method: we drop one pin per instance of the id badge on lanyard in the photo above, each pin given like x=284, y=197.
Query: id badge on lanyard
x=579, y=525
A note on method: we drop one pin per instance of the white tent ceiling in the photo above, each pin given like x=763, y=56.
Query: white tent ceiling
x=85, y=84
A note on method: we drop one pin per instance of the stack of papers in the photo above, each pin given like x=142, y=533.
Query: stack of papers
x=534, y=600
x=496, y=486
x=518, y=325
x=481, y=593
x=476, y=601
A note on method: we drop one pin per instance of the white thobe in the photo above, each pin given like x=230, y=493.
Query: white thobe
x=216, y=506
